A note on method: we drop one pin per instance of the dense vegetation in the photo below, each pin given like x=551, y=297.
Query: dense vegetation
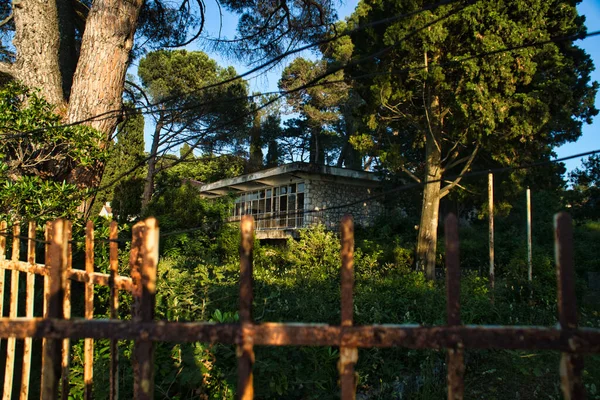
x=198, y=280
x=413, y=98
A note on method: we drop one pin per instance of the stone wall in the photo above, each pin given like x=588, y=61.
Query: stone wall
x=324, y=196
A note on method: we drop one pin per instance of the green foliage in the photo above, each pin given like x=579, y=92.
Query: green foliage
x=585, y=194
x=122, y=179
x=37, y=153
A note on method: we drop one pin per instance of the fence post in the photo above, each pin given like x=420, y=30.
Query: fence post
x=571, y=365
x=114, y=308
x=245, y=348
x=348, y=355
x=66, y=343
x=29, y=299
x=491, y=227
x=456, y=360
x=14, y=304
x=143, y=261
x=88, y=351
x=529, y=242
x=56, y=260
x=3, y=234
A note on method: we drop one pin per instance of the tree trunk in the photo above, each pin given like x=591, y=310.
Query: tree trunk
x=427, y=239
x=37, y=40
x=96, y=94
x=152, y=160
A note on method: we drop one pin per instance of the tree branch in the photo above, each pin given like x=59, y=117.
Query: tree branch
x=409, y=173
x=465, y=168
x=6, y=20
x=7, y=69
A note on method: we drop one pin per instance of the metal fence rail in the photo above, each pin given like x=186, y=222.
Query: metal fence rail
x=456, y=338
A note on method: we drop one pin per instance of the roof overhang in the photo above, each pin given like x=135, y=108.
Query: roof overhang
x=287, y=173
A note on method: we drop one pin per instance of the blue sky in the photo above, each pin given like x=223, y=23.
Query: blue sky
x=590, y=139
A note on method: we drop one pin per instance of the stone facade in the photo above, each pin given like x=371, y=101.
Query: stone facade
x=324, y=197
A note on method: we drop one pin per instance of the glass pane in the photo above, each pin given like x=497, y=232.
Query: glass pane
x=262, y=194
x=283, y=190
x=293, y=188
x=301, y=187
x=283, y=209
x=268, y=193
x=300, y=212
x=268, y=205
x=275, y=192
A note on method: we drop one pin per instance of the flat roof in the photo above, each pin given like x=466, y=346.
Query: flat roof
x=284, y=173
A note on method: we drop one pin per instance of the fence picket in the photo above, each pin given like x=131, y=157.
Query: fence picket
x=29, y=298
x=348, y=355
x=571, y=365
x=13, y=307
x=114, y=308
x=66, y=344
x=3, y=234
x=88, y=344
x=143, y=261
x=455, y=356
x=245, y=348
x=56, y=260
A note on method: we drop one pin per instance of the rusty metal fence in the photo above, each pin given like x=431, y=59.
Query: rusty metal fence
x=56, y=327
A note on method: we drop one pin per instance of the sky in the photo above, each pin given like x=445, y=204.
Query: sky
x=265, y=82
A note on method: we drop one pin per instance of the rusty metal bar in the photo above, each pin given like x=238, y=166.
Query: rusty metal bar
x=581, y=340
x=529, y=241
x=66, y=344
x=455, y=355
x=571, y=365
x=114, y=309
x=88, y=345
x=56, y=259
x=3, y=231
x=78, y=275
x=491, y=227
x=29, y=299
x=143, y=261
x=14, y=304
x=348, y=355
x=245, y=346
x=47, y=260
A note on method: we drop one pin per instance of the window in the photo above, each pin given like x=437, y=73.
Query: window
x=274, y=208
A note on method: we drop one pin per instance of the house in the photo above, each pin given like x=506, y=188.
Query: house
x=297, y=195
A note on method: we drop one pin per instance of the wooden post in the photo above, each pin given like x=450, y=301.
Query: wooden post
x=114, y=308
x=455, y=357
x=348, y=355
x=571, y=365
x=56, y=260
x=245, y=349
x=491, y=227
x=29, y=299
x=66, y=343
x=88, y=351
x=143, y=262
x=14, y=304
x=529, y=244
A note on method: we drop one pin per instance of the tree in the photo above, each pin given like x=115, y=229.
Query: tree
x=187, y=112
x=585, y=193
x=435, y=104
x=77, y=52
x=122, y=182
x=318, y=105
x=32, y=165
